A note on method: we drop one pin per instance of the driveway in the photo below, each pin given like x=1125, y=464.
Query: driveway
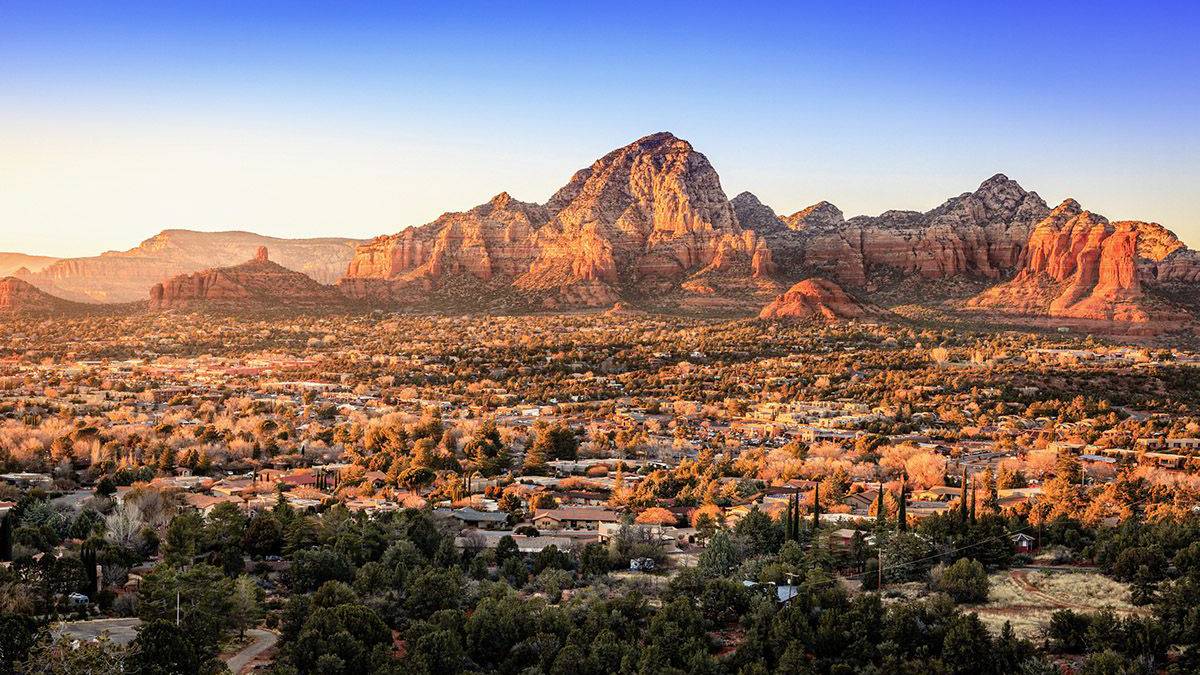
x=263, y=640
x=120, y=631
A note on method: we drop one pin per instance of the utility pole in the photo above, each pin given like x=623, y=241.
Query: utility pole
x=880, y=570
x=176, y=607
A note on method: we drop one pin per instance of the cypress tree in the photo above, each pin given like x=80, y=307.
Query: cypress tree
x=974, y=498
x=787, y=526
x=880, y=509
x=963, y=497
x=816, y=507
x=6, y=538
x=796, y=516
x=902, y=511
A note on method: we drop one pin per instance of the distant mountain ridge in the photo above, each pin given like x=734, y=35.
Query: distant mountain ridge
x=257, y=284
x=11, y=263
x=648, y=225
x=125, y=276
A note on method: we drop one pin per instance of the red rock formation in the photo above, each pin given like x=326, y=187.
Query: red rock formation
x=817, y=299
x=20, y=297
x=652, y=210
x=258, y=284
x=124, y=276
x=978, y=234
x=1078, y=265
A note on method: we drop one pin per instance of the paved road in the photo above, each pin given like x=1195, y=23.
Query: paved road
x=263, y=640
x=120, y=631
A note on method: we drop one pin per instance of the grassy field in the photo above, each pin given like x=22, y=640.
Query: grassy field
x=1028, y=598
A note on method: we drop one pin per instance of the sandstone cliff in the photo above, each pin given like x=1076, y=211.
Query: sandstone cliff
x=1078, y=265
x=258, y=284
x=978, y=234
x=818, y=300
x=124, y=276
x=650, y=214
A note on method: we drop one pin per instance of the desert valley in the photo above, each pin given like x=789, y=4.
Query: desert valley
x=638, y=428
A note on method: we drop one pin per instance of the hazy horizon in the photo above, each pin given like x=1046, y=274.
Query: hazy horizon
x=116, y=124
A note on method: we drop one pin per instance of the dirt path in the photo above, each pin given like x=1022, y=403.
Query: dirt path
x=1020, y=577
x=263, y=640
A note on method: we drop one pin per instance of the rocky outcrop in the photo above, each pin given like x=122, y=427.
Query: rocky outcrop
x=818, y=300
x=1078, y=265
x=652, y=212
x=123, y=276
x=258, y=284
x=20, y=297
x=978, y=234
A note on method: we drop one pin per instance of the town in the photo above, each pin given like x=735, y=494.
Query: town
x=223, y=478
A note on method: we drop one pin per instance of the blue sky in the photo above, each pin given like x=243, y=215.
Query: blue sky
x=118, y=120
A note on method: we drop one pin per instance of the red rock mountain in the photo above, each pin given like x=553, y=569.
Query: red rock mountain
x=1078, y=265
x=818, y=300
x=978, y=234
x=258, y=284
x=21, y=297
x=124, y=276
x=650, y=215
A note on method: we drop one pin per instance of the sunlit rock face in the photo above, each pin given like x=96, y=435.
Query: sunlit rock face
x=816, y=300
x=258, y=284
x=20, y=297
x=124, y=276
x=1079, y=265
x=978, y=234
x=653, y=209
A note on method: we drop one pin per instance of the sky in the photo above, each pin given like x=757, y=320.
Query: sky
x=118, y=120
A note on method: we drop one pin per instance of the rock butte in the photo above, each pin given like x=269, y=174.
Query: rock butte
x=256, y=284
x=124, y=276
x=818, y=300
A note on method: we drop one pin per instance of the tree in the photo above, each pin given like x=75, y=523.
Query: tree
x=313, y=567
x=264, y=535
x=488, y=450
x=720, y=557
x=902, y=506
x=348, y=639
x=183, y=539
x=757, y=534
x=199, y=596
x=162, y=648
x=880, y=509
x=18, y=634
x=966, y=581
x=554, y=442
x=966, y=640
x=244, y=610
x=816, y=512
x=656, y=516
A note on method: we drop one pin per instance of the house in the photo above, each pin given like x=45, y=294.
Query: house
x=469, y=517
x=1022, y=543
x=27, y=480
x=860, y=502
x=574, y=518
x=206, y=503
x=843, y=539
